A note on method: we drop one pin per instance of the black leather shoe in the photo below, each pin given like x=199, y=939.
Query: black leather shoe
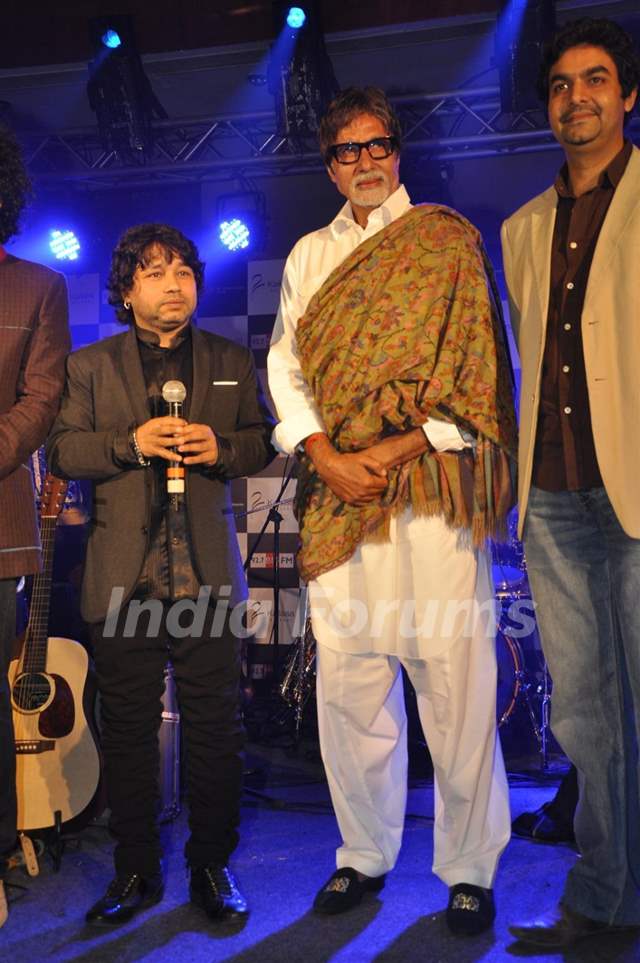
x=126, y=896
x=471, y=909
x=344, y=890
x=215, y=889
x=561, y=927
x=543, y=826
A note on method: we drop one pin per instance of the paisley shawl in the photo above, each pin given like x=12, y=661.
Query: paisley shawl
x=404, y=328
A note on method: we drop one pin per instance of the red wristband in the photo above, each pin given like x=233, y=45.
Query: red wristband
x=310, y=440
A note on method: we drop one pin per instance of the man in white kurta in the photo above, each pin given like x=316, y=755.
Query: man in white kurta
x=423, y=599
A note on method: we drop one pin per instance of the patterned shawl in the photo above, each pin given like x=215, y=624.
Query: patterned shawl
x=406, y=327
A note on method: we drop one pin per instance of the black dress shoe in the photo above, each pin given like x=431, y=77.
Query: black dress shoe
x=561, y=927
x=126, y=896
x=344, y=890
x=471, y=909
x=215, y=889
x=543, y=826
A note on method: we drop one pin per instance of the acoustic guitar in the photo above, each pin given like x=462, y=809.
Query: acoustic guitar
x=57, y=761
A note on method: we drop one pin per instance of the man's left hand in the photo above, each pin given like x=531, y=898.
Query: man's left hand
x=198, y=445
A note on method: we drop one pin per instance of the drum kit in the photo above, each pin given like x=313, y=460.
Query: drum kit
x=523, y=677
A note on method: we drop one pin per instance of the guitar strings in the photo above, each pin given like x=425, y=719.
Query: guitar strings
x=35, y=645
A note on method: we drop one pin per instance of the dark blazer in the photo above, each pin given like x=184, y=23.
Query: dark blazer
x=34, y=341
x=104, y=394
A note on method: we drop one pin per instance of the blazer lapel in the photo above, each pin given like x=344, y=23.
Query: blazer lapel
x=201, y=373
x=542, y=225
x=133, y=377
x=625, y=200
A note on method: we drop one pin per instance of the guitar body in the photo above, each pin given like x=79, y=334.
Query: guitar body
x=57, y=761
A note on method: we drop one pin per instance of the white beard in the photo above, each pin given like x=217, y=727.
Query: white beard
x=371, y=197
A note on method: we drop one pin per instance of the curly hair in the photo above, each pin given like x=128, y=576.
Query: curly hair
x=350, y=103
x=607, y=34
x=133, y=251
x=15, y=185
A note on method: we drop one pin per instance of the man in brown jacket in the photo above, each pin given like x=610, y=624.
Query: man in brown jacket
x=34, y=340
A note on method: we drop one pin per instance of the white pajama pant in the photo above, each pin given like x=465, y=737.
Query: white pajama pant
x=362, y=721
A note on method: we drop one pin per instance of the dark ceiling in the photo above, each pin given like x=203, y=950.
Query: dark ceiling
x=55, y=31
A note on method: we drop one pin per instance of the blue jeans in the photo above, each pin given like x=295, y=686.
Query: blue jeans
x=584, y=572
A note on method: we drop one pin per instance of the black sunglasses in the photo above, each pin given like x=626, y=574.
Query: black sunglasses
x=378, y=148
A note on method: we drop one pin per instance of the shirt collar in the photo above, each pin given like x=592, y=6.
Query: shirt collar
x=393, y=208
x=610, y=177
x=151, y=338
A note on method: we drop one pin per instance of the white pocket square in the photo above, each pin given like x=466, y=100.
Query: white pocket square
x=224, y=382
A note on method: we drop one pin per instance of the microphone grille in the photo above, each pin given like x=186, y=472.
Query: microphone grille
x=174, y=391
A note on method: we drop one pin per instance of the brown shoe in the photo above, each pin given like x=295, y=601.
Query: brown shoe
x=560, y=927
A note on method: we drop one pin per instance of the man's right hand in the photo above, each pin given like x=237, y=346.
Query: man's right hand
x=355, y=478
x=157, y=436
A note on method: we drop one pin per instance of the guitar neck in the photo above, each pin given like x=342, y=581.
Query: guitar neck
x=35, y=645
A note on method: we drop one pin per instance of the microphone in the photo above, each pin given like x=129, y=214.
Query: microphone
x=174, y=393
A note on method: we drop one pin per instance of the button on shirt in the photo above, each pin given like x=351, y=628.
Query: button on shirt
x=308, y=266
x=565, y=457
x=168, y=570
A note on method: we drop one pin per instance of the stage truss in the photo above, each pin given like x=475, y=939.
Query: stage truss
x=447, y=126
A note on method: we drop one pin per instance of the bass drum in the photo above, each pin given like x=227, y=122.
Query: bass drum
x=510, y=670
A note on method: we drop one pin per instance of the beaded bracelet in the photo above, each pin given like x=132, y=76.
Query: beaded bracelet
x=142, y=461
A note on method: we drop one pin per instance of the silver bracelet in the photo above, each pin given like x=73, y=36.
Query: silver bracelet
x=142, y=461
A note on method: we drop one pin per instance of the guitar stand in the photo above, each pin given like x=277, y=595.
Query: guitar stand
x=56, y=845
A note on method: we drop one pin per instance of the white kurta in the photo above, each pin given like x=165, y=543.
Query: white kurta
x=425, y=600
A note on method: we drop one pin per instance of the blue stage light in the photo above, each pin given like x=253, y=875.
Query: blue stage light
x=234, y=234
x=64, y=245
x=296, y=18
x=111, y=39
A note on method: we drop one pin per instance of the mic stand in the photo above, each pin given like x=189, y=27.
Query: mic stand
x=275, y=517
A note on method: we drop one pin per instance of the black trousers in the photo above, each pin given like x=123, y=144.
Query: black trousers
x=8, y=832
x=130, y=680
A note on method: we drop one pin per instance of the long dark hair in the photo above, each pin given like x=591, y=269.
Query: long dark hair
x=15, y=185
x=133, y=251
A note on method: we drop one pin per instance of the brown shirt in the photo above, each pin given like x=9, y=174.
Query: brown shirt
x=565, y=457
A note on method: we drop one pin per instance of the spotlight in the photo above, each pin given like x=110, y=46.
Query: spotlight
x=234, y=234
x=299, y=75
x=296, y=18
x=111, y=39
x=64, y=245
x=523, y=28
x=119, y=91
x=241, y=217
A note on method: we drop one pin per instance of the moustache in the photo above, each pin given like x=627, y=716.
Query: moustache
x=578, y=110
x=368, y=177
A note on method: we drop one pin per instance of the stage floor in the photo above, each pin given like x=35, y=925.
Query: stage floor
x=285, y=854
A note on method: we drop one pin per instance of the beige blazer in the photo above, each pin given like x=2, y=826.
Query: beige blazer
x=610, y=333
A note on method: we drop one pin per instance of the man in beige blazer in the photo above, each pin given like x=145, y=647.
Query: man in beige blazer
x=572, y=264
x=34, y=340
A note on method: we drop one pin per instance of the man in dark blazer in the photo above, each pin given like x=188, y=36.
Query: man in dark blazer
x=152, y=554
x=34, y=340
